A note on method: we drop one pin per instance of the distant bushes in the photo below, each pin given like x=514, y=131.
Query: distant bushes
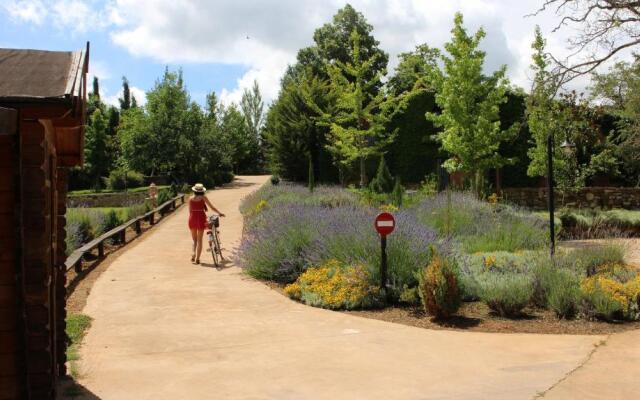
x=587, y=224
x=119, y=179
x=85, y=224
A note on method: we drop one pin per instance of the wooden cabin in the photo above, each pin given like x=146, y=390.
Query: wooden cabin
x=42, y=117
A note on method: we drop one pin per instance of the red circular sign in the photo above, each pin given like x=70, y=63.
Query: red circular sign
x=385, y=223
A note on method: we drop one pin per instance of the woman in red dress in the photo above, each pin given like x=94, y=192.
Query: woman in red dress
x=198, y=218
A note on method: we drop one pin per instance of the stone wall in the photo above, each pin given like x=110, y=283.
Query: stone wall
x=591, y=197
x=106, y=199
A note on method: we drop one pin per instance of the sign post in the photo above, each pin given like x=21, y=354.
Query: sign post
x=385, y=224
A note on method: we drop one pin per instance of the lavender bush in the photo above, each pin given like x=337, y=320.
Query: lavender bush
x=281, y=242
x=288, y=193
x=479, y=226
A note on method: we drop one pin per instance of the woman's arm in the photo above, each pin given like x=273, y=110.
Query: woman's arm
x=206, y=200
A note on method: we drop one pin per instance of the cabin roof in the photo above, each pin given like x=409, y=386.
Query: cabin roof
x=28, y=75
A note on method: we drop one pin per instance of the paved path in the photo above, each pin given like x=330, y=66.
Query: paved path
x=166, y=329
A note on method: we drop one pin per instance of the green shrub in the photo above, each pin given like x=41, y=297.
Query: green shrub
x=410, y=296
x=398, y=193
x=275, y=180
x=164, y=196
x=563, y=293
x=137, y=210
x=589, y=259
x=383, y=181
x=110, y=221
x=116, y=179
x=608, y=299
x=438, y=287
x=505, y=293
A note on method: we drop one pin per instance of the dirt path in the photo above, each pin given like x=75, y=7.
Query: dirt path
x=166, y=329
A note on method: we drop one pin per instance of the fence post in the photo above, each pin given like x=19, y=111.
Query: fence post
x=101, y=249
x=152, y=218
x=138, y=227
x=78, y=266
x=123, y=236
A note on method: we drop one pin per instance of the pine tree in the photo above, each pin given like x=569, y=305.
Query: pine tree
x=125, y=101
x=96, y=87
x=383, y=181
x=358, y=126
x=398, y=193
x=96, y=150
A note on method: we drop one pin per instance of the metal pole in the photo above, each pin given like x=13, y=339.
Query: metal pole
x=550, y=195
x=383, y=262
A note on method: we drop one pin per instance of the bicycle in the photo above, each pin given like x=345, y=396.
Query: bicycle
x=213, y=237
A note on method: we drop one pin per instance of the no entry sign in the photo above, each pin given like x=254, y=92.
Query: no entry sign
x=385, y=223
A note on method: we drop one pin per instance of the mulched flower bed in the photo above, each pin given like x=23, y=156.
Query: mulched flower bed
x=477, y=317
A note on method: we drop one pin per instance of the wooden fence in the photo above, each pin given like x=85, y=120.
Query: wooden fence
x=75, y=259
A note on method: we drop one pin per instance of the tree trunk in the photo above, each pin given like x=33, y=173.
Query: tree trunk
x=363, y=172
x=478, y=183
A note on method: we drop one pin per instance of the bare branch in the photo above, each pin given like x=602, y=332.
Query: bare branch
x=606, y=27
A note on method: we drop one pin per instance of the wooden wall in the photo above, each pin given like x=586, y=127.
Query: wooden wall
x=32, y=253
x=39, y=256
x=11, y=348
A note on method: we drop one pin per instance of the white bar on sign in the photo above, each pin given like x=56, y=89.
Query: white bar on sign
x=385, y=223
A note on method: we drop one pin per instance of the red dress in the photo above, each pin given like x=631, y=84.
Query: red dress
x=197, y=215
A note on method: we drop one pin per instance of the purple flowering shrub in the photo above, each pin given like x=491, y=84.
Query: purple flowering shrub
x=288, y=193
x=281, y=241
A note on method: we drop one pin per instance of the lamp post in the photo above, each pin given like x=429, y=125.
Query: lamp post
x=567, y=147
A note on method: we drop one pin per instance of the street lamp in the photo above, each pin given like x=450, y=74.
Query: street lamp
x=567, y=147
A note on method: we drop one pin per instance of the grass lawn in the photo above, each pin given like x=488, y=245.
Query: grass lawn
x=77, y=325
x=131, y=190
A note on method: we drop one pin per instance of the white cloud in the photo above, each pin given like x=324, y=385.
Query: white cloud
x=100, y=70
x=33, y=11
x=264, y=36
x=139, y=94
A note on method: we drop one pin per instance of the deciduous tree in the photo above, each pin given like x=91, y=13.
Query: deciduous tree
x=470, y=104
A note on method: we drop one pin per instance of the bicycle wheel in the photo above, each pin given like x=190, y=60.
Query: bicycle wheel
x=212, y=248
x=218, y=245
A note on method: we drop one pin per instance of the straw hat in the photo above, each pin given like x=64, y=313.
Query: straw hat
x=199, y=188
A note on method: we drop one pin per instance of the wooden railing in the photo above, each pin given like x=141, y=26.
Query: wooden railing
x=75, y=259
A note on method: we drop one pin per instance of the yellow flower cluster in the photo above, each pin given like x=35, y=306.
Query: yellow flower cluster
x=333, y=285
x=293, y=291
x=490, y=261
x=614, y=290
x=390, y=208
x=261, y=205
x=493, y=199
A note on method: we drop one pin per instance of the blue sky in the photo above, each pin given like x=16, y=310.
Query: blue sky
x=224, y=45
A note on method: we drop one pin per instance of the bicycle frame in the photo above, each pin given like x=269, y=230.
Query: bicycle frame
x=213, y=238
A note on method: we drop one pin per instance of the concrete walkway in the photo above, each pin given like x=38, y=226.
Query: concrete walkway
x=166, y=329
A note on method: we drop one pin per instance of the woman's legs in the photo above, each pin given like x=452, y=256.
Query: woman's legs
x=200, y=233
x=194, y=236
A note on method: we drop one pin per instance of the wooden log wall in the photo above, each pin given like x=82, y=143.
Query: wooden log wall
x=11, y=335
